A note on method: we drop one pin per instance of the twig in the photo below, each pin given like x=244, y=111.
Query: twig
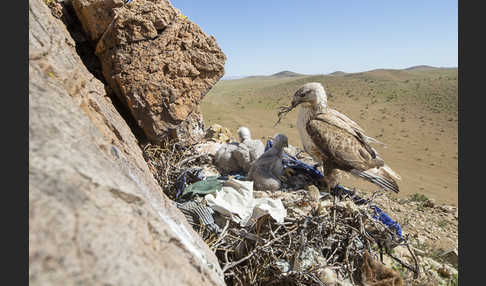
x=415, y=271
x=233, y=264
x=346, y=258
x=283, y=111
x=221, y=236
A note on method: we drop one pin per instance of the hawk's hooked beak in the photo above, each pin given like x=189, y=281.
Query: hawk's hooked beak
x=298, y=98
x=295, y=102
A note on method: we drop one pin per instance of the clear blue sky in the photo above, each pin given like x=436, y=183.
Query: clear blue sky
x=262, y=37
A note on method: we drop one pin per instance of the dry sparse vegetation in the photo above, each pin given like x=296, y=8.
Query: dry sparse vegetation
x=406, y=109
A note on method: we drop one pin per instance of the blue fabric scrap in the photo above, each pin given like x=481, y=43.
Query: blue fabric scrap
x=386, y=220
x=378, y=215
x=342, y=191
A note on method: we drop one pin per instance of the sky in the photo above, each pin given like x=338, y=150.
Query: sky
x=263, y=37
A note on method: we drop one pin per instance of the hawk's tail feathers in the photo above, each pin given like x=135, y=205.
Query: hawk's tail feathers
x=382, y=177
x=373, y=140
x=390, y=172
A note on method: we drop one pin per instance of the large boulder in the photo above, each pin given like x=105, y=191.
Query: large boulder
x=157, y=61
x=96, y=214
x=95, y=16
x=220, y=134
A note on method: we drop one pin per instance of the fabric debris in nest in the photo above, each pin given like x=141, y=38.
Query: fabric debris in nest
x=306, y=249
x=236, y=201
x=289, y=161
x=288, y=237
x=198, y=214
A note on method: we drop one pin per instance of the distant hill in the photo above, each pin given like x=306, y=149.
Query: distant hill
x=338, y=73
x=421, y=67
x=231, y=77
x=286, y=74
x=282, y=74
x=257, y=77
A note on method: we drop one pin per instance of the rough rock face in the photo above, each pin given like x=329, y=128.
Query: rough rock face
x=158, y=62
x=220, y=134
x=96, y=214
x=95, y=16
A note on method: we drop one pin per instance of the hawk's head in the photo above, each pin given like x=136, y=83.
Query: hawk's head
x=280, y=141
x=244, y=133
x=310, y=94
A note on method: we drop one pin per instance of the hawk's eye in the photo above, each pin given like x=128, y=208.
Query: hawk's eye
x=302, y=94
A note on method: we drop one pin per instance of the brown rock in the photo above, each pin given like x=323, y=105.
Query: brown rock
x=451, y=256
x=95, y=16
x=444, y=272
x=207, y=147
x=220, y=134
x=430, y=203
x=448, y=209
x=402, y=252
x=96, y=214
x=56, y=9
x=158, y=62
x=444, y=244
x=421, y=239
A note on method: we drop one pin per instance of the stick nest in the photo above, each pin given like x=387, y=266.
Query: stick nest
x=168, y=160
x=296, y=252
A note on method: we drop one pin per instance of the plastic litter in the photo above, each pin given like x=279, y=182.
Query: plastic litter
x=386, y=220
x=307, y=258
x=341, y=191
x=202, y=185
x=236, y=201
x=236, y=176
x=379, y=213
x=209, y=185
x=283, y=266
x=196, y=214
x=189, y=176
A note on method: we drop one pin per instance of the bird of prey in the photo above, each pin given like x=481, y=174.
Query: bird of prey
x=256, y=146
x=268, y=168
x=237, y=157
x=224, y=160
x=338, y=142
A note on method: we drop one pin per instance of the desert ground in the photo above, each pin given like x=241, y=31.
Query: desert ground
x=413, y=111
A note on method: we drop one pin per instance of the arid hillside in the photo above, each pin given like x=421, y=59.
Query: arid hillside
x=413, y=111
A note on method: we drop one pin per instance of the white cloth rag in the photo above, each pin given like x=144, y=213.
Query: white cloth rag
x=236, y=200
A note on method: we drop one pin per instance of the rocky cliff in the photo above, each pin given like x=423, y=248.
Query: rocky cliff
x=156, y=60
x=96, y=214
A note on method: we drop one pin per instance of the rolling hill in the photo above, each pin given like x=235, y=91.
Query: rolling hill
x=414, y=111
x=286, y=74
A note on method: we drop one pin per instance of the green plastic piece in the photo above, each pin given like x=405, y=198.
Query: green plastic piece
x=209, y=185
